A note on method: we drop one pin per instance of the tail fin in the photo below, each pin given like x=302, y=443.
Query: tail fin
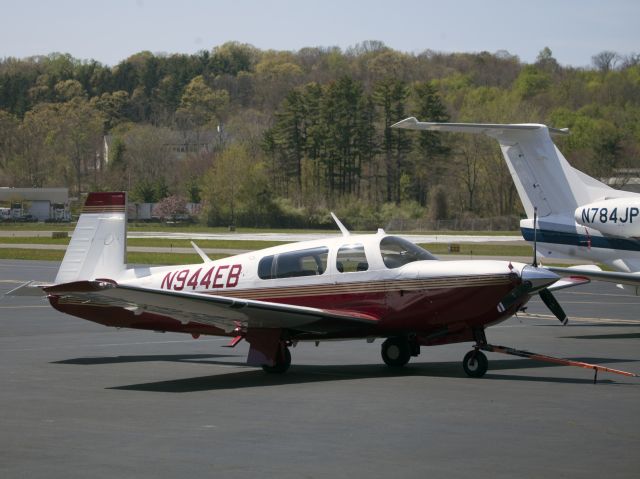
x=542, y=175
x=98, y=246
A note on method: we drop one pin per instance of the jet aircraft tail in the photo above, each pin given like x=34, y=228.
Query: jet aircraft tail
x=98, y=246
x=543, y=177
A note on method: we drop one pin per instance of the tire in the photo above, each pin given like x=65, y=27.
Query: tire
x=396, y=352
x=475, y=364
x=283, y=361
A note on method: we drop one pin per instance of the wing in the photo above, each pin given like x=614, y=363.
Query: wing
x=632, y=279
x=219, y=311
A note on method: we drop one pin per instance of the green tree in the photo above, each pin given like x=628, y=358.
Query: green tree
x=148, y=160
x=67, y=90
x=81, y=130
x=115, y=107
x=531, y=82
x=9, y=129
x=234, y=188
x=390, y=96
x=232, y=58
x=430, y=163
x=200, y=104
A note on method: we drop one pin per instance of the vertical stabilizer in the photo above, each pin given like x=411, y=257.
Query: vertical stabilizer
x=98, y=245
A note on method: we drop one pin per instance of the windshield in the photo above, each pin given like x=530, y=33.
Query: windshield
x=397, y=252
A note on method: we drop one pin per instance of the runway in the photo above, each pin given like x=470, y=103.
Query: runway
x=81, y=400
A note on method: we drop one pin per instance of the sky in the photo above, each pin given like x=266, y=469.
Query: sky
x=111, y=31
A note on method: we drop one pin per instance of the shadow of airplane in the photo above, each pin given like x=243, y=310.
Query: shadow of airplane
x=182, y=358
x=605, y=336
x=300, y=374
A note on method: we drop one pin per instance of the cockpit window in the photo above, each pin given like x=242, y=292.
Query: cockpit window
x=397, y=252
x=351, y=258
x=308, y=262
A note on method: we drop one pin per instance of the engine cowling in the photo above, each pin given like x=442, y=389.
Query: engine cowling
x=619, y=216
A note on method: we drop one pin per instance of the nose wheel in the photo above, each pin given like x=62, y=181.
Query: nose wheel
x=475, y=363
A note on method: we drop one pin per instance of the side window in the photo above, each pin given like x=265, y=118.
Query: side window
x=308, y=262
x=265, y=267
x=351, y=258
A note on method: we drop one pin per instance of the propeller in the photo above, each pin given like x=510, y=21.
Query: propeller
x=535, y=280
x=545, y=295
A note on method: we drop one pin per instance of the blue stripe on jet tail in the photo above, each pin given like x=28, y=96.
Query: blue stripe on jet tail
x=577, y=239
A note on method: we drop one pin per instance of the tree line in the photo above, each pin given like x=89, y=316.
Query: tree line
x=283, y=137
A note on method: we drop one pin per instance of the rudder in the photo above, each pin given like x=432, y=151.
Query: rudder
x=98, y=246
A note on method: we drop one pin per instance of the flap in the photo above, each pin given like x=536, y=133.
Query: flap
x=220, y=311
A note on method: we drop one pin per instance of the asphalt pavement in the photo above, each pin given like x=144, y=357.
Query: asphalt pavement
x=81, y=400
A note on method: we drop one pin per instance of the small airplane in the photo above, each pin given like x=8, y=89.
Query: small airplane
x=345, y=287
x=578, y=216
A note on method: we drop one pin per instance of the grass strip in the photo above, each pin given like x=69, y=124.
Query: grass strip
x=161, y=227
x=137, y=258
x=471, y=249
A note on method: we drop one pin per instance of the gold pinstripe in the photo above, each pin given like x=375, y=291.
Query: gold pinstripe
x=103, y=209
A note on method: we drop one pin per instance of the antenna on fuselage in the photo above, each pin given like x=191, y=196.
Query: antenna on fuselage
x=202, y=254
x=345, y=231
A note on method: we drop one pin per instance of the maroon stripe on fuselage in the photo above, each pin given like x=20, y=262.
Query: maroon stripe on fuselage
x=422, y=312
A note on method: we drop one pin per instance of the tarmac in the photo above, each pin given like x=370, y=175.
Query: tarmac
x=81, y=400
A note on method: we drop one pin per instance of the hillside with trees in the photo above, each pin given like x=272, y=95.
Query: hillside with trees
x=279, y=138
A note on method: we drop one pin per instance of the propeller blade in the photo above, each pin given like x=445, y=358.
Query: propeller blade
x=553, y=305
x=514, y=295
x=534, y=279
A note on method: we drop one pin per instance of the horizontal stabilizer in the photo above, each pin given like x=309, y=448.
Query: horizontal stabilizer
x=542, y=176
x=487, y=128
x=32, y=288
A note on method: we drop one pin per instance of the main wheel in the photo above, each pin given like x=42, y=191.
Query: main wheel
x=475, y=364
x=283, y=361
x=396, y=352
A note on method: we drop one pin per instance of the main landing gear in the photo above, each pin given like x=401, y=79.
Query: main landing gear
x=282, y=363
x=397, y=351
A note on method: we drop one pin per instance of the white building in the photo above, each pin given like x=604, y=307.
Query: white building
x=41, y=203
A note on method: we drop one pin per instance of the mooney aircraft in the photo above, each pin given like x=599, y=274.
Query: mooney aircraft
x=578, y=216
x=345, y=287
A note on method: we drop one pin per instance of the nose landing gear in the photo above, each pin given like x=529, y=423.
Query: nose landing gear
x=475, y=363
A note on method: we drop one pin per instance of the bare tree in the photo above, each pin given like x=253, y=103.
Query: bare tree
x=605, y=61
